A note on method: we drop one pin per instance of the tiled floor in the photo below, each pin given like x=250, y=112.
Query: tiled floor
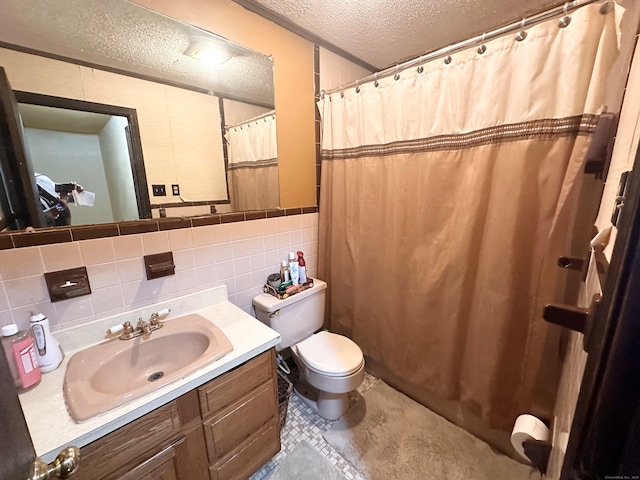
x=304, y=424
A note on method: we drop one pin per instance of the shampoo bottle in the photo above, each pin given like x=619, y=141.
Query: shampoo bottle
x=302, y=268
x=21, y=355
x=293, y=269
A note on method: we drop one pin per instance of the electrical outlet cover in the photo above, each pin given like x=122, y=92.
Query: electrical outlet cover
x=159, y=190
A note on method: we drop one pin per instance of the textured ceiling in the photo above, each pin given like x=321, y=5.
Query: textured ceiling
x=385, y=32
x=124, y=36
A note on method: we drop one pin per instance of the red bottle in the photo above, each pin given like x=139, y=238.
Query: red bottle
x=302, y=268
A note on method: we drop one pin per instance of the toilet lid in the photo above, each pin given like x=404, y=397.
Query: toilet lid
x=330, y=353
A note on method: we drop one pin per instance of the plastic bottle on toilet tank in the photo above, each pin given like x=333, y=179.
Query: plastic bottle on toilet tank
x=284, y=272
x=302, y=267
x=293, y=269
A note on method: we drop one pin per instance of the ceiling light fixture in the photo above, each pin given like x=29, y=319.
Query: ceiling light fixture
x=205, y=51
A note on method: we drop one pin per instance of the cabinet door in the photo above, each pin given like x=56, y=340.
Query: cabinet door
x=161, y=466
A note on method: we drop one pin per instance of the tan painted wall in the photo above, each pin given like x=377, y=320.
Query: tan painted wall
x=294, y=95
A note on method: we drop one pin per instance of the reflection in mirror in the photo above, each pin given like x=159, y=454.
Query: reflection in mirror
x=159, y=68
x=93, y=150
x=252, y=161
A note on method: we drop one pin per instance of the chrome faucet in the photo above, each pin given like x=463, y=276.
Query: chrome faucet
x=142, y=327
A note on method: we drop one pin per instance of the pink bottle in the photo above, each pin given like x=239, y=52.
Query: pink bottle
x=21, y=355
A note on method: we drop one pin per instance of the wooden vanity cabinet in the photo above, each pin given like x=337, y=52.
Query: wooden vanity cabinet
x=225, y=430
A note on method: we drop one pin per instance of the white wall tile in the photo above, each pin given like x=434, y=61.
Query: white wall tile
x=295, y=222
x=103, y=275
x=254, y=229
x=108, y=300
x=184, y=259
x=256, y=245
x=6, y=317
x=186, y=281
x=128, y=246
x=240, y=248
x=258, y=262
x=202, y=236
x=238, y=230
x=223, y=252
x=4, y=301
x=155, y=242
x=282, y=224
x=203, y=255
x=95, y=252
x=61, y=256
x=206, y=275
x=26, y=290
x=74, y=309
x=270, y=226
x=180, y=239
x=131, y=270
x=20, y=262
x=242, y=265
x=239, y=255
x=222, y=233
x=225, y=270
x=258, y=277
x=283, y=241
x=243, y=282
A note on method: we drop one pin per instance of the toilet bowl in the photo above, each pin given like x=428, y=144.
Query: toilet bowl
x=330, y=365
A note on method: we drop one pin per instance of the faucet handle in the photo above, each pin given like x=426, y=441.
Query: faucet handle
x=155, y=317
x=126, y=326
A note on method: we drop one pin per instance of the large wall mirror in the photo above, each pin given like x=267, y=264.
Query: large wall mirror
x=151, y=116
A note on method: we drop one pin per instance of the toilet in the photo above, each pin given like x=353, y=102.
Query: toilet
x=331, y=365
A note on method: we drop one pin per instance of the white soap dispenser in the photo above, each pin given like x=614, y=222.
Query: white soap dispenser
x=48, y=349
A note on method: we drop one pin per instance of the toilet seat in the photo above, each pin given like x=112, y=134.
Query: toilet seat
x=330, y=354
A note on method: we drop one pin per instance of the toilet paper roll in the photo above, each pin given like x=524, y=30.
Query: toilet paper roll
x=527, y=427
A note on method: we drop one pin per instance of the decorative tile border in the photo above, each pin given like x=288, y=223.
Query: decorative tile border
x=46, y=236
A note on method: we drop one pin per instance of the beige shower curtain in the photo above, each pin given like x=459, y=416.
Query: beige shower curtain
x=253, y=164
x=445, y=196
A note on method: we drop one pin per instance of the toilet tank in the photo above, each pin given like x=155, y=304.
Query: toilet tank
x=294, y=318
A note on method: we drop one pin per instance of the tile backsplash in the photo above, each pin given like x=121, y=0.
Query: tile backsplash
x=239, y=255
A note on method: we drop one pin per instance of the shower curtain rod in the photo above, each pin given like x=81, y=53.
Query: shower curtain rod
x=258, y=117
x=455, y=47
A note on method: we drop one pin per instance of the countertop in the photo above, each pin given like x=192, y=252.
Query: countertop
x=44, y=407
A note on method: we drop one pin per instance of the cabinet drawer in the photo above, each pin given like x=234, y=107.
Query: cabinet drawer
x=222, y=391
x=227, y=430
x=118, y=452
x=255, y=453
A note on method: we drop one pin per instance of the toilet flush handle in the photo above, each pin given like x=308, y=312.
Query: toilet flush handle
x=274, y=314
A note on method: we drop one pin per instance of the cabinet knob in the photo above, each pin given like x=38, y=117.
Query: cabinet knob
x=64, y=465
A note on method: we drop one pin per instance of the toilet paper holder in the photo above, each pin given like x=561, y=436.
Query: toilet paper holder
x=538, y=452
x=530, y=439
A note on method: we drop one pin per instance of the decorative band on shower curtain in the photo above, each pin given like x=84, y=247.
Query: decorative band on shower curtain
x=443, y=194
x=253, y=164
